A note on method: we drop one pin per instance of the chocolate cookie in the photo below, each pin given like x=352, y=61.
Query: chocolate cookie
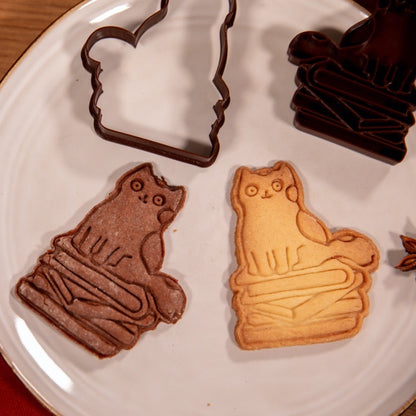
x=101, y=283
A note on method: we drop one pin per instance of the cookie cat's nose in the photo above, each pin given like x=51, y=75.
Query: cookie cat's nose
x=266, y=194
x=143, y=198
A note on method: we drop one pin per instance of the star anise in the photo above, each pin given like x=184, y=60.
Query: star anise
x=408, y=262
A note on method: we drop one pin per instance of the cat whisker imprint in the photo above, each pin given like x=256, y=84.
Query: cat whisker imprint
x=296, y=282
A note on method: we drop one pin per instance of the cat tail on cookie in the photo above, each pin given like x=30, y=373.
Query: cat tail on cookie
x=355, y=249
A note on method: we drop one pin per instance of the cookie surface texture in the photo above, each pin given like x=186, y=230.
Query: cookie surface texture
x=296, y=282
x=101, y=283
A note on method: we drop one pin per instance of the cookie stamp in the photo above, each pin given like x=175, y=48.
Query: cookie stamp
x=133, y=38
x=296, y=282
x=360, y=93
x=101, y=283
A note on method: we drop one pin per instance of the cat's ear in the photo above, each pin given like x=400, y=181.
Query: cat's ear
x=244, y=172
x=141, y=171
x=145, y=168
x=286, y=170
x=279, y=165
x=240, y=176
x=179, y=195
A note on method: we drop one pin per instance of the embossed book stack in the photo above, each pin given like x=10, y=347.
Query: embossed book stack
x=360, y=93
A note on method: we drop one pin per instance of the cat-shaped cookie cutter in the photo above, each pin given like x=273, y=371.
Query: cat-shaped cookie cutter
x=360, y=93
x=133, y=38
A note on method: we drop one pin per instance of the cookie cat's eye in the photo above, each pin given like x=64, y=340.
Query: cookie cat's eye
x=251, y=190
x=277, y=185
x=136, y=185
x=159, y=200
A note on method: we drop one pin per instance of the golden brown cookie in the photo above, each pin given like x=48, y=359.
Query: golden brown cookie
x=101, y=283
x=296, y=282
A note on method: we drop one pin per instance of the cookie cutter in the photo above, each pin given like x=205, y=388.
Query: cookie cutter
x=133, y=38
x=360, y=93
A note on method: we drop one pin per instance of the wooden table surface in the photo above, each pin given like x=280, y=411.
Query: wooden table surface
x=21, y=22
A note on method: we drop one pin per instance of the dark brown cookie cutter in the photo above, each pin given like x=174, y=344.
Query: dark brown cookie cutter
x=94, y=67
x=360, y=93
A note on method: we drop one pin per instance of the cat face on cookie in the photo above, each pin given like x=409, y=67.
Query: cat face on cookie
x=275, y=185
x=146, y=192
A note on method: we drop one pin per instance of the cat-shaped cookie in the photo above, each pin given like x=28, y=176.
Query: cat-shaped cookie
x=280, y=242
x=101, y=282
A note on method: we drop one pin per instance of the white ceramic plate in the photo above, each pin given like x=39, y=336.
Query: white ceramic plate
x=53, y=168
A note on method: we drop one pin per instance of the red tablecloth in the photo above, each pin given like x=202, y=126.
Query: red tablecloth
x=15, y=399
